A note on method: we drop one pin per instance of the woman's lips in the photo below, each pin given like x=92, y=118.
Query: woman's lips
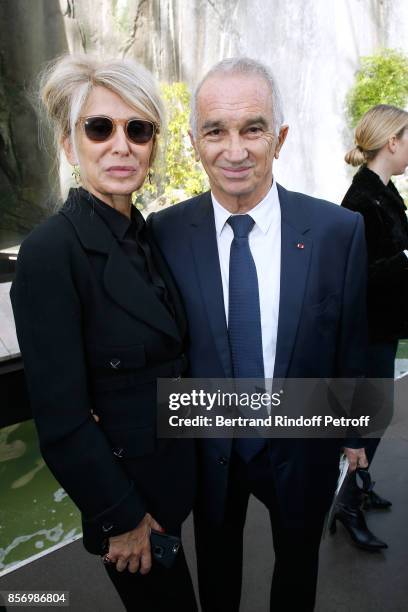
x=121, y=170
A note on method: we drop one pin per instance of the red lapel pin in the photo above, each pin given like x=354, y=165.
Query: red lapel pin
x=300, y=245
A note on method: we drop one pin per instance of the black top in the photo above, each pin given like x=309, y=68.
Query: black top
x=386, y=228
x=131, y=235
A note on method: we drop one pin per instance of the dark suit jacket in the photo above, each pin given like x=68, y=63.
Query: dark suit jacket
x=386, y=228
x=321, y=329
x=94, y=336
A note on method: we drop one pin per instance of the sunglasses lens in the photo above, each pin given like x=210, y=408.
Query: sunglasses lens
x=98, y=129
x=140, y=131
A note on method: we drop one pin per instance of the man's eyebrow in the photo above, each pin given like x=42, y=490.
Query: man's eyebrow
x=258, y=119
x=216, y=124
x=211, y=125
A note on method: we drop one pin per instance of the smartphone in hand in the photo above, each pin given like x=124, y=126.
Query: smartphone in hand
x=164, y=548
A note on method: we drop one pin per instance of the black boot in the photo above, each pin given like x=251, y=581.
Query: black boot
x=370, y=498
x=349, y=513
x=353, y=520
x=375, y=502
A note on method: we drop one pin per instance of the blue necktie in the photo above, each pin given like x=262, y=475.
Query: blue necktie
x=244, y=319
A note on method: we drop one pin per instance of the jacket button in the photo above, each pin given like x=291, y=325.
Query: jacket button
x=114, y=363
x=106, y=527
x=222, y=460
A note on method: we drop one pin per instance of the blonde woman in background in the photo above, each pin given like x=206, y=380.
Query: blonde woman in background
x=98, y=320
x=381, y=151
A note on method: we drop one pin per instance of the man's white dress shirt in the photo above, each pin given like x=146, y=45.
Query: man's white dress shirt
x=265, y=246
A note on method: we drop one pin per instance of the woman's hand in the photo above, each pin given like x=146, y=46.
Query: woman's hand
x=356, y=457
x=132, y=549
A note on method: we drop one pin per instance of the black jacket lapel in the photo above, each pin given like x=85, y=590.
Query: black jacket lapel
x=206, y=260
x=122, y=281
x=173, y=292
x=125, y=285
x=296, y=250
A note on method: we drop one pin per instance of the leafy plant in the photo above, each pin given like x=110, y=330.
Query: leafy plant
x=382, y=79
x=176, y=174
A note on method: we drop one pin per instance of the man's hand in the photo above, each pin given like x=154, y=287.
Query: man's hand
x=356, y=458
x=132, y=549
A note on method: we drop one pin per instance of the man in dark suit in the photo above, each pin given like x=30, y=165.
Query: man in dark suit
x=274, y=286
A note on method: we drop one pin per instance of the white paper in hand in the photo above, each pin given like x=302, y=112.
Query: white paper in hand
x=343, y=471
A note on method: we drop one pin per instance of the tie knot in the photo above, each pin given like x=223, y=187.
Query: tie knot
x=241, y=225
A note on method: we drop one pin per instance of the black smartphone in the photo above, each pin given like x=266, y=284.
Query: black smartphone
x=164, y=547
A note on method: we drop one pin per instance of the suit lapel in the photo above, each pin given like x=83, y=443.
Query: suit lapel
x=125, y=285
x=206, y=260
x=296, y=250
x=122, y=281
x=173, y=292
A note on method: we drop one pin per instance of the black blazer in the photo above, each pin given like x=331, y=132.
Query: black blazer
x=94, y=336
x=386, y=229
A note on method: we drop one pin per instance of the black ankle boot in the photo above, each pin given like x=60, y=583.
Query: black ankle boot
x=348, y=511
x=354, y=522
x=370, y=498
x=375, y=502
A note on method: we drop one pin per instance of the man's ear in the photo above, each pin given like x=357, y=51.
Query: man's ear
x=69, y=150
x=194, y=145
x=283, y=132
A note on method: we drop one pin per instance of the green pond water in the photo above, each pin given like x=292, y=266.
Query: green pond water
x=401, y=364
x=35, y=512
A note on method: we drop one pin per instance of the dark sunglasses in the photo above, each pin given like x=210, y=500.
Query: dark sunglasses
x=99, y=128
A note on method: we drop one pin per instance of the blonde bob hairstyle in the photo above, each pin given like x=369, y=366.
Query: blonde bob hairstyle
x=67, y=82
x=374, y=130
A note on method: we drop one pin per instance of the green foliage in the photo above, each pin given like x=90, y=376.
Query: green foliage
x=382, y=79
x=182, y=171
x=176, y=174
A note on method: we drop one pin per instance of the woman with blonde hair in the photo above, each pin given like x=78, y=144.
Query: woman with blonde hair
x=381, y=151
x=98, y=320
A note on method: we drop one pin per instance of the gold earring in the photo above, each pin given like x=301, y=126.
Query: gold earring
x=76, y=174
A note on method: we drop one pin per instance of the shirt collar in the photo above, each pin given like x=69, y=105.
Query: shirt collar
x=116, y=221
x=262, y=214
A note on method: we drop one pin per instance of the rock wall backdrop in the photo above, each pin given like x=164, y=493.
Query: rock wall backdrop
x=313, y=46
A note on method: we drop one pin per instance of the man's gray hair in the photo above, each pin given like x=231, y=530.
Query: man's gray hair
x=245, y=66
